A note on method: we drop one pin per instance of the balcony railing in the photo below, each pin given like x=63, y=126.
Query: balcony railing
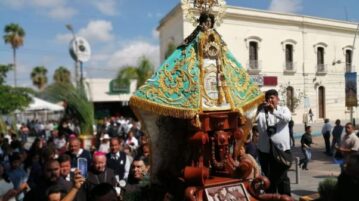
x=254, y=66
x=290, y=67
x=322, y=68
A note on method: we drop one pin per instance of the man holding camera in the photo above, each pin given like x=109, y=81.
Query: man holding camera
x=272, y=121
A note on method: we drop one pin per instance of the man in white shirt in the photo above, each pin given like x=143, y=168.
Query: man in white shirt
x=349, y=142
x=272, y=115
x=326, y=130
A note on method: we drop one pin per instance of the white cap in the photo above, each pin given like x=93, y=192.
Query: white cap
x=105, y=137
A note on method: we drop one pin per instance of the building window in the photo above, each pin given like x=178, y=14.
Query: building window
x=253, y=55
x=348, y=60
x=289, y=57
x=320, y=59
x=290, y=98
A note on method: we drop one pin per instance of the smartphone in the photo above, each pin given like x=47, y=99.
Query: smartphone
x=82, y=166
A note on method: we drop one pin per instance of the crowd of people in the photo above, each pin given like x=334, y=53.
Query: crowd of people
x=116, y=165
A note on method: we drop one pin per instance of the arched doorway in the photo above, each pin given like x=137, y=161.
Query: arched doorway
x=321, y=103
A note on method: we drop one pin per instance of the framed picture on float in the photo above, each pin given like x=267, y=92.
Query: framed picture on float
x=230, y=192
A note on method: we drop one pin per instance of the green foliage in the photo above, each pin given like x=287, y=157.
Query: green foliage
x=78, y=106
x=12, y=99
x=145, y=70
x=3, y=72
x=125, y=75
x=326, y=189
x=296, y=99
x=39, y=77
x=3, y=127
x=62, y=75
x=141, y=73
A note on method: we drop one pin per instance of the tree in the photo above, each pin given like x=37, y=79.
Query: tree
x=62, y=75
x=290, y=97
x=14, y=35
x=141, y=73
x=39, y=77
x=3, y=72
x=14, y=98
x=145, y=70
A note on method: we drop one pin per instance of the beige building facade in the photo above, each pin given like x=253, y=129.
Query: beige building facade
x=305, y=58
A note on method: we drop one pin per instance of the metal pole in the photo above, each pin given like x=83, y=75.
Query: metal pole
x=352, y=68
x=297, y=174
x=77, y=64
x=81, y=74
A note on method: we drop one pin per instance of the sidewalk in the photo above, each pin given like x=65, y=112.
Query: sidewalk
x=320, y=167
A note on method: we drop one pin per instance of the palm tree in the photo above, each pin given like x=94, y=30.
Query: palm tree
x=145, y=70
x=39, y=77
x=78, y=106
x=141, y=73
x=62, y=75
x=14, y=35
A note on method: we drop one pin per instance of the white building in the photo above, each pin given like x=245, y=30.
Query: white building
x=300, y=55
x=109, y=98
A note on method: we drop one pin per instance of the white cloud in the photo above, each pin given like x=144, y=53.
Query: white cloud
x=107, y=7
x=98, y=30
x=14, y=3
x=58, y=9
x=62, y=12
x=287, y=6
x=155, y=34
x=63, y=38
x=131, y=52
x=48, y=3
x=154, y=15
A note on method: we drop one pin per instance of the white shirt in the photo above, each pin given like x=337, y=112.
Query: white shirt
x=326, y=128
x=104, y=147
x=134, y=141
x=350, y=141
x=279, y=118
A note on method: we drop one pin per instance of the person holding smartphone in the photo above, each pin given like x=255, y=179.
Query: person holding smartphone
x=272, y=122
x=97, y=174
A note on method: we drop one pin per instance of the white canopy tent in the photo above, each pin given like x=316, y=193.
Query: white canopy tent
x=41, y=110
x=39, y=104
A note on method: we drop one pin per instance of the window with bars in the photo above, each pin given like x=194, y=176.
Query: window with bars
x=348, y=60
x=320, y=59
x=253, y=55
x=289, y=57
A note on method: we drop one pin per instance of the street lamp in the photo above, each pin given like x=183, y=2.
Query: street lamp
x=70, y=28
x=80, y=51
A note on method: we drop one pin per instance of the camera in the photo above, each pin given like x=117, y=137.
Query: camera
x=271, y=130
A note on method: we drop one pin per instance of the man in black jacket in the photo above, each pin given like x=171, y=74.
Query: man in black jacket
x=51, y=177
x=117, y=160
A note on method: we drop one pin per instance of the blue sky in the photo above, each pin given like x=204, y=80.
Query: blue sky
x=119, y=31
